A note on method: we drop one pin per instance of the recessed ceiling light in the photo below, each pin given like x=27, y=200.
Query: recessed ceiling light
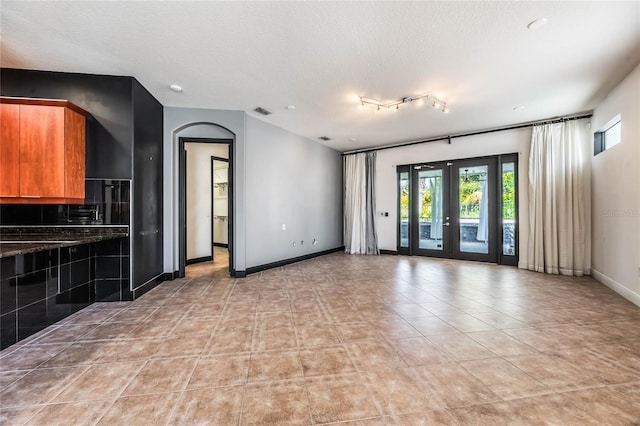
x=518, y=108
x=176, y=88
x=290, y=107
x=353, y=139
x=538, y=23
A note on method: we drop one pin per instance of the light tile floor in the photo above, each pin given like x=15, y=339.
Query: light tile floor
x=372, y=340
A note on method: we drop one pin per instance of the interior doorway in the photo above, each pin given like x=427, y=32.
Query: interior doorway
x=459, y=209
x=206, y=204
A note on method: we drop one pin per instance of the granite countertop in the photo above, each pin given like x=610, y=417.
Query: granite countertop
x=24, y=240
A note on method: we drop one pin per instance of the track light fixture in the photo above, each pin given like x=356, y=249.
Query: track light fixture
x=435, y=102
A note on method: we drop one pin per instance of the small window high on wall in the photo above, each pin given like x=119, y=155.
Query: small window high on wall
x=609, y=136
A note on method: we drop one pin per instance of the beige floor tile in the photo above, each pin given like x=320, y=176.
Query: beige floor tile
x=454, y=385
x=394, y=328
x=430, y=326
x=39, y=386
x=466, y=323
x=418, y=351
x=181, y=346
x=229, y=342
x=74, y=413
x=427, y=418
x=9, y=377
x=606, y=405
x=276, y=365
x=66, y=333
x=339, y=398
x=220, y=370
x=504, y=379
x=100, y=381
x=110, y=331
x=370, y=355
x=130, y=350
x=352, y=339
x=556, y=373
x=161, y=376
x=315, y=335
x=500, y=413
x=460, y=347
x=189, y=326
x=399, y=392
x=325, y=361
x=153, y=409
x=216, y=406
x=501, y=343
x=550, y=409
x=82, y=353
x=17, y=416
x=29, y=356
x=353, y=332
x=153, y=329
x=602, y=367
x=281, y=403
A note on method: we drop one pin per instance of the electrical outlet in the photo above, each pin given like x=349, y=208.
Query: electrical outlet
x=284, y=227
x=294, y=243
x=301, y=242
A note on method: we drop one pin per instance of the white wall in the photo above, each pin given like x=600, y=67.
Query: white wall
x=199, y=214
x=506, y=142
x=293, y=181
x=220, y=201
x=616, y=193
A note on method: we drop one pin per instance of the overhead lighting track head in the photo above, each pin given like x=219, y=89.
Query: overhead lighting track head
x=436, y=103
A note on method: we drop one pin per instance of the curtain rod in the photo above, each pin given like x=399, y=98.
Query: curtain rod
x=478, y=132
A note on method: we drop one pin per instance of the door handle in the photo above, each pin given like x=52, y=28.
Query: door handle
x=446, y=224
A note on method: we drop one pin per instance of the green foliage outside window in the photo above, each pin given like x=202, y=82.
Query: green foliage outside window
x=470, y=196
x=508, y=195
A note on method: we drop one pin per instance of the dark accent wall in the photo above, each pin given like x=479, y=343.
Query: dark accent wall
x=147, y=186
x=124, y=141
x=107, y=98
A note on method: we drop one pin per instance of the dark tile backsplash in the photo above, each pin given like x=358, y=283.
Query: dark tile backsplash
x=39, y=289
x=107, y=202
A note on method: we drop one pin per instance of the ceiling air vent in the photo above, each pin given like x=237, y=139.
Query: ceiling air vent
x=325, y=138
x=262, y=111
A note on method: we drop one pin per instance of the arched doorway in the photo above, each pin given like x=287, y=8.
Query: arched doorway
x=202, y=132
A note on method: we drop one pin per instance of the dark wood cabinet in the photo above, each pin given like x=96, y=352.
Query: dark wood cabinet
x=43, y=151
x=9, y=150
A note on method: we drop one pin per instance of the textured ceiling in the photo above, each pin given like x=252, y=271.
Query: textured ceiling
x=320, y=56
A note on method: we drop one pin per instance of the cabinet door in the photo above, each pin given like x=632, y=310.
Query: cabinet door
x=41, y=151
x=74, y=159
x=9, y=150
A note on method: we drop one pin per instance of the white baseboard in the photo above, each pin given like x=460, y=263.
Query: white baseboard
x=623, y=291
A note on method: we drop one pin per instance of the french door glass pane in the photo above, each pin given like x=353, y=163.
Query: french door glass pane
x=508, y=209
x=404, y=209
x=474, y=209
x=430, y=209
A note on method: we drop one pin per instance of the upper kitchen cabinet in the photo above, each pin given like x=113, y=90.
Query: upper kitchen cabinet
x=42, y=151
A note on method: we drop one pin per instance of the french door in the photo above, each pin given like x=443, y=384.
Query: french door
x=453, y=209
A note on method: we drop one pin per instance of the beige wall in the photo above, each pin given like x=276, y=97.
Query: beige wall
x=616, y=194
